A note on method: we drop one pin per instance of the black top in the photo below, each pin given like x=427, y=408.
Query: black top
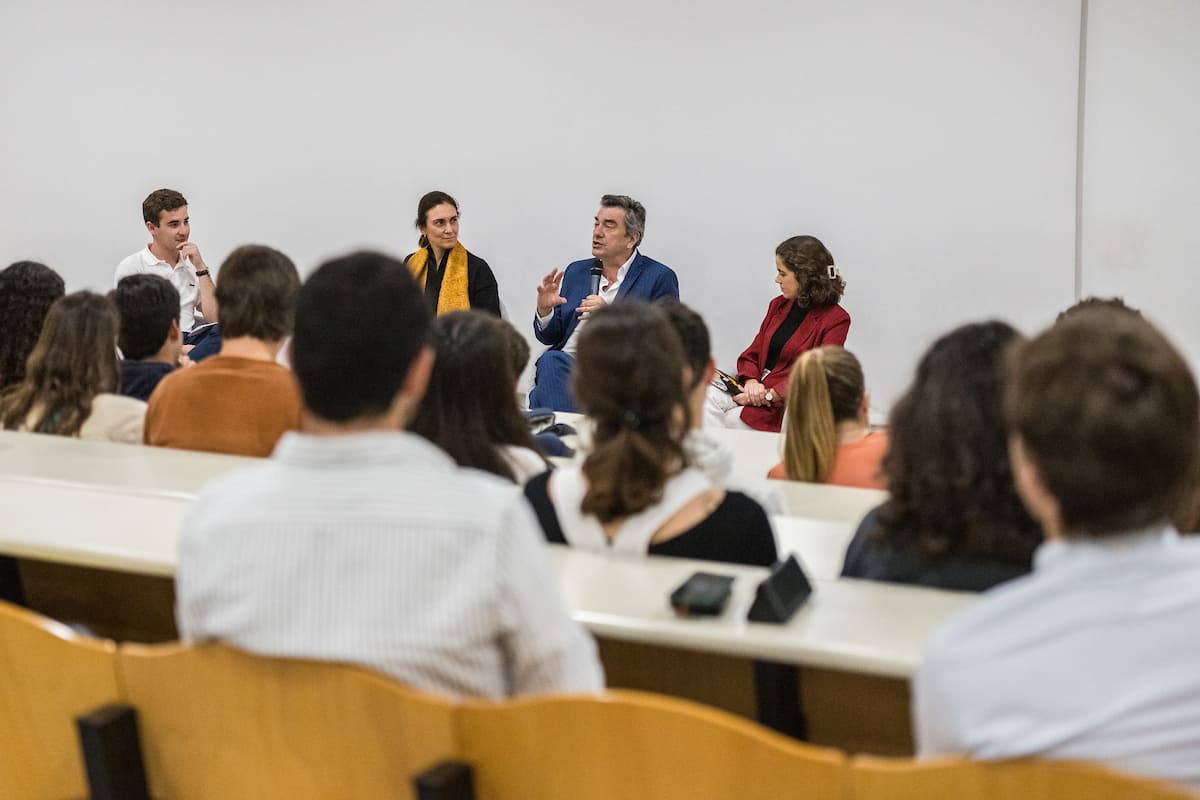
x=737, y=532
x=482, y=290
x=138, y=378
x=786, y=329
x=872, y=557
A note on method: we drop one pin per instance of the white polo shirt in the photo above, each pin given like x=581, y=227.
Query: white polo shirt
x=182, y=276
x=1093, y=656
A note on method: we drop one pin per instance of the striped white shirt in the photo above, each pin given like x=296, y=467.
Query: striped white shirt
x=376, y=549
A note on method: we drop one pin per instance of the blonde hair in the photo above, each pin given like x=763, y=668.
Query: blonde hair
x=825, y=388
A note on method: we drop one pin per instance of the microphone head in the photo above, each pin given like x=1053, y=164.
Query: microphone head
x=597, y=267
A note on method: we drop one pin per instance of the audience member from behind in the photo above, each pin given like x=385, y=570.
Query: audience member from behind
x=361, y=542
x=453, y=278
x=239, y=401
x=827, y=433
x=1094, y=655
x=27, y=290
x=1093, y=302
x=173, y=256
x=953, y=520
x=805, y=315
x=713, y=458
x=470, y=408
x=151, y=341
x=637, y=492
x=71, y=377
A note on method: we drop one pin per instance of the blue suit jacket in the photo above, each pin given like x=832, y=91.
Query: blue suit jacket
x=646, y=279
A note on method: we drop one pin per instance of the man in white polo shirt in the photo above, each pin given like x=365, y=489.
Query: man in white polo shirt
x=170, y=255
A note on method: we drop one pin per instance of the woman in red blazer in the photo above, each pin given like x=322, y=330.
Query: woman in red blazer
x=804, y=316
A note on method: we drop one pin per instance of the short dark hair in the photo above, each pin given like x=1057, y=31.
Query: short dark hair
x=518, y=349
x=148, y=304
x=427, y=203
x=635, y=214
x=947, y=469
x=1107, y=411
x=27, y=290
x=693, y=335
x=256, y=296
x=470, y=408
x=811, y=263
x=161, y=200
x=1115, y=303
x=361, y=321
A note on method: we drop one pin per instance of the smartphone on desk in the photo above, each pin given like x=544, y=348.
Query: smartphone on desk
x=704, y=594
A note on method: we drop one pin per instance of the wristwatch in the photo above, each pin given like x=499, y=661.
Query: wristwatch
x=770, y=396
x=200, y=273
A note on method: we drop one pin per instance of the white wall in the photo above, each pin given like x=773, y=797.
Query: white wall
x=931, y=144
x=1141, y=177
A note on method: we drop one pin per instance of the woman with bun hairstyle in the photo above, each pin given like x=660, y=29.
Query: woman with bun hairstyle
x=453, y=279
x=637, y=492
x=827, y=435
x=805, y=315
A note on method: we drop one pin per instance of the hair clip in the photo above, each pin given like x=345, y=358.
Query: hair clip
x=834, y=272
x=630, y=419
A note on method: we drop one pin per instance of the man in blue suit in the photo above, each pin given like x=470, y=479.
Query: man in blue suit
x=565, y=298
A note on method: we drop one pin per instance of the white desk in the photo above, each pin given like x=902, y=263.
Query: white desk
x=159, y=470
x=873, y=628
x=819, y=545
x=754, y=452
x=854, y=626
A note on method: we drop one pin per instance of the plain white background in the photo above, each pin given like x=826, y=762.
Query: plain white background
x=932, y=147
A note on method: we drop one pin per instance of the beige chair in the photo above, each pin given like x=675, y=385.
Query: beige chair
x=48, y=676
x=218, y=723
x=630, y=744
x=904, y=779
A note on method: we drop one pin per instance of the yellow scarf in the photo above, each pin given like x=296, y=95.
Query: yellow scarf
x=453, y=294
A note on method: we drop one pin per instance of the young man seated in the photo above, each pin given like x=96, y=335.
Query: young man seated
x=239, y=401
x=363, y=543
x=1094, y=655
x=150, y=340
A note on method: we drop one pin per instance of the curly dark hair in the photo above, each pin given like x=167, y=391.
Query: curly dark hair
x=809, y=260
x=27, y=290
x=635, y=396
x=947, y=467
x=470, y=407
x=74, y=360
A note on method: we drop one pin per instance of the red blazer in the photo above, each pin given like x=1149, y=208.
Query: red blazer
x=828, y=325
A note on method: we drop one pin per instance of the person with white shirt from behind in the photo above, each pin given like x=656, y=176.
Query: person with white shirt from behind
x=173, y=256
x=1094, y=655
x=362, y=543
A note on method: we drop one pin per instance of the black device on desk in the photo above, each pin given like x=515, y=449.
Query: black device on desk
x=704, y=594
x=781, y=594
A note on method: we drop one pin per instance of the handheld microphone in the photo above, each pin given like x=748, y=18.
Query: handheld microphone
x=597, y=271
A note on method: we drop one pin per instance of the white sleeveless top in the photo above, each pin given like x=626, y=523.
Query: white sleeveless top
x=633, y=537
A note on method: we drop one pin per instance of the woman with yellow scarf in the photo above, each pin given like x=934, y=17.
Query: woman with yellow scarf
x=453, y=279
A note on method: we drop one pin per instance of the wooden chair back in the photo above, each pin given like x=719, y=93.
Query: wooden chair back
x=219, y=723
x=48, y=676
x=633, y=744
x=904, y=779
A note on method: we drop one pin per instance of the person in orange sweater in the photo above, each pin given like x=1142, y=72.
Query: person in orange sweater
x=239, y=401
x=827, y=436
